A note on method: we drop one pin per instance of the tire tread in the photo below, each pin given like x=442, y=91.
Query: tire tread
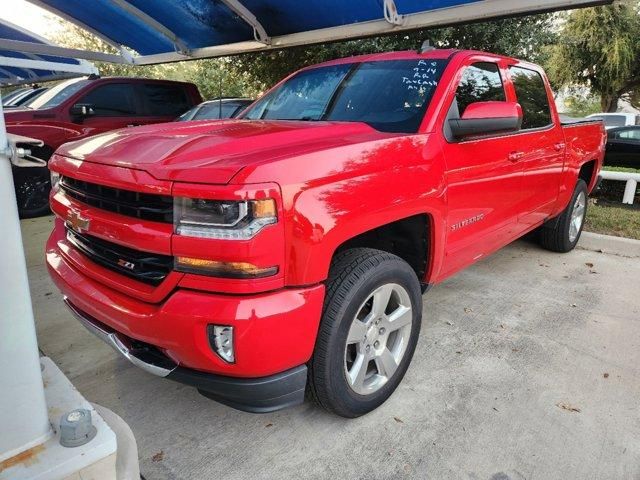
x=347, y=267
x=554, y=238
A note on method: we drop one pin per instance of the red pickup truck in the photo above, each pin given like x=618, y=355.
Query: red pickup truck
x=287, y=250
x=82, y=107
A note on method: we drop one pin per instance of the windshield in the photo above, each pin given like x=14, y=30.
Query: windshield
x=58, y=94
x=390, y=95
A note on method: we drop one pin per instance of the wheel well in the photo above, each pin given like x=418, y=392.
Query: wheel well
x=586, y=172
x=407, y=238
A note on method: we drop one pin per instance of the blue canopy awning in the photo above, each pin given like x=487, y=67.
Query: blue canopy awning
x=203, y=23
x=159, y=31
x=17, y=67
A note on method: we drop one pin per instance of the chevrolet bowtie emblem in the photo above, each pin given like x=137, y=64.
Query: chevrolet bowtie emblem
x=77, y=222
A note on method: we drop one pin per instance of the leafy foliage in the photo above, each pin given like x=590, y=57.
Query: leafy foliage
x=581, y=106
x=523, y=37
x=600, y=47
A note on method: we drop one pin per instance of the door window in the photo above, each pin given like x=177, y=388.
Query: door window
x=532, y=96
x=481, y=82
x=111, y=100
x=165, y=100
x=633, y=134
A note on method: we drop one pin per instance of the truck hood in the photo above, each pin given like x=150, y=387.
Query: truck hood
x=213, y=151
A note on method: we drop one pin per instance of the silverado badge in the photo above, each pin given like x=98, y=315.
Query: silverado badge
x=77, y=222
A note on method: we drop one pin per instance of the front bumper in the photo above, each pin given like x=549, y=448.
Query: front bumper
x=257, y=395
x=273, y=332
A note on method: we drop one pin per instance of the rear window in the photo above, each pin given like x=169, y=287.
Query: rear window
x=612, y=120
x=165, y=100
x=390, y=95
x=532, y=96
x=211, y=111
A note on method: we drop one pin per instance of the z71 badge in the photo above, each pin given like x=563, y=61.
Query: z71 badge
x=126, y=264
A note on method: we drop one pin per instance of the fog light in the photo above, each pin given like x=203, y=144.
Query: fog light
x=221, y=341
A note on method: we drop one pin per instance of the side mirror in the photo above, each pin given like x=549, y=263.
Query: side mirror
x=81, y=110
x=483, y=118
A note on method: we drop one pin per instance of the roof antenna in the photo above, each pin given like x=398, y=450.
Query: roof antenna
x=426, y=46
x=220, y=97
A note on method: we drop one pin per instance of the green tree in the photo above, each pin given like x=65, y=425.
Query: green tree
x=580, y=106
x=522, y=37
x=600, y=48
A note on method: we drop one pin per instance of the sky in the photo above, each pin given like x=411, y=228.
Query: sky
x=31, y=17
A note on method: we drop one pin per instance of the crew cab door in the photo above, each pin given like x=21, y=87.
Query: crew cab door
x=113, y=105
x=540, y=145
x=484, y=181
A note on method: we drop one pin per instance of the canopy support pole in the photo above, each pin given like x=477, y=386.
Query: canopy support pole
x=23, y=409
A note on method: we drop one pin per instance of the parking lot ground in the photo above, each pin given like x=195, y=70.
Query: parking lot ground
x=528, y=367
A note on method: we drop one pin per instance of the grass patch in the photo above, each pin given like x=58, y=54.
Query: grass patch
x=613, y=219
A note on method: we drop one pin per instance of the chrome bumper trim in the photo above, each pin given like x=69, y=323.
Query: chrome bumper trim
x=119, y=343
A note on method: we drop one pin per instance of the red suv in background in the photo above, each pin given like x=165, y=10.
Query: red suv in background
x=82, y=107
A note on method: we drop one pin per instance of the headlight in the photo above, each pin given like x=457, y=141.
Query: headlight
x=222, y=219
x=55, y=181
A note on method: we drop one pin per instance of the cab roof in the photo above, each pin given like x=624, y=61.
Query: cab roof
x=434, y=54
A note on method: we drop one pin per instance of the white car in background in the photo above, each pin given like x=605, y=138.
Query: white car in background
x=614, y=120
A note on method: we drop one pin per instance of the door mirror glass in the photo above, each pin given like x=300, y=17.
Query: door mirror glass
x=485, y=118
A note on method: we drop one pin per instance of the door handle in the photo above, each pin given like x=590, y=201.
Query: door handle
x=515, y=156
x=559, y=146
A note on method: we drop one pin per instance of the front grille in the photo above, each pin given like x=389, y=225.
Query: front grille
x=145, y=206
x=150, y=268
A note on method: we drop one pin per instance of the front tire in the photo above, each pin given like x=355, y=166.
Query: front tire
x=368, y=333
x=32, y=187
x=563, y=233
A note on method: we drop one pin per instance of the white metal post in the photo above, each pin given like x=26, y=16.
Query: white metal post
x=631, y=179
x=630, y=191
x=24, y=421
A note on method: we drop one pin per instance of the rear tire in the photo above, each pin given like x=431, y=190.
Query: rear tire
x=368, y=333
x=563, y=233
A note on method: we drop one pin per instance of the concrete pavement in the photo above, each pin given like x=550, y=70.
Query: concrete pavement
x=528, y=367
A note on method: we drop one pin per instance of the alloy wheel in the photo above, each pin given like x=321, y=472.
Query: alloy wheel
x=378, y=339
x=577, y=216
